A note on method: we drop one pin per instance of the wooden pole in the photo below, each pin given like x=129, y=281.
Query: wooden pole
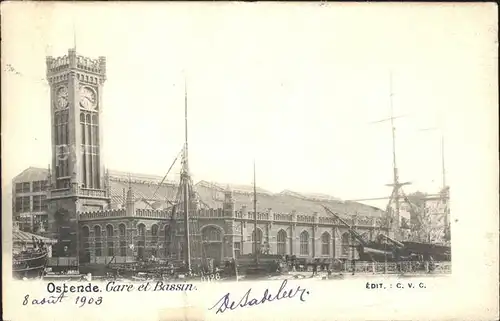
x=255, y=215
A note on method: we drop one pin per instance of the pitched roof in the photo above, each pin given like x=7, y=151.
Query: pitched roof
x=144, y=191
x=310, y=196
x=31, y=174
x=120, y=175
x=148, y=192
x=238, y=188
x=284, y=202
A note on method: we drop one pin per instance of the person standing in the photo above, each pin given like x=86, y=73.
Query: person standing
x=315, y=268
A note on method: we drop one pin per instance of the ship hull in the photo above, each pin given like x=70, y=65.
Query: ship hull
x=428, y=250
x=29, y=265
x=410, y=251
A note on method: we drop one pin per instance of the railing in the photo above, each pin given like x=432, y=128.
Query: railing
x=219, y=212
x=361, y=221
x=92, y=192
x=364, y=221
x=397, y=267
x=282, y=217
x=441, y=267
x=305, y=219
x=62, y=261
x=152, y=213
x=60, y=192
x=78, y=190
x=103, y=214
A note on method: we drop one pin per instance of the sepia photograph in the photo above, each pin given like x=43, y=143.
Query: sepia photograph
x=171, y=144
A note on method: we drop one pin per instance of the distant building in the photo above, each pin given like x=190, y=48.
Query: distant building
x=97, y=215
x=437, y=213
x=29, y=190
x=430, y=217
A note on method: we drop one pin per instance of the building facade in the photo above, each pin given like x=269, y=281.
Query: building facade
x=437, y=217
x=29, y=201
x=97, y=215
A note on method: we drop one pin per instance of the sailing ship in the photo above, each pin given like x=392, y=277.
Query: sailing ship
x=186, y=251
x=260, y=263
x=388, y=249
x=30, y=263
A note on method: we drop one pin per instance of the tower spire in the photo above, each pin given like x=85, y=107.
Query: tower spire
x=74, y=35
x=130, y=201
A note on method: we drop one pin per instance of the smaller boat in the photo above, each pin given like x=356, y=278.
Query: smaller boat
x=30, y=263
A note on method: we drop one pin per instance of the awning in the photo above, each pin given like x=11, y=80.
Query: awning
x=20, y=237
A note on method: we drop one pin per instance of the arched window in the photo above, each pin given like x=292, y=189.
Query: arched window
x=325, y=243
x=154, y=233
x=86, y=243
x=110, y=238
x=345, y=243
x=259, y=240
x=123, y=239
x=211, y=234
x=304, y=243
x=141, y=240
x=154, y=240
x=141, y=230
x=98, y=240
x=281, y=241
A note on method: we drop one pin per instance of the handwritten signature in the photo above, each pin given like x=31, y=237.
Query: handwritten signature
x=226, y=302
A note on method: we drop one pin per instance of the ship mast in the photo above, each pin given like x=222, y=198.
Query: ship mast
x=255, y=216
x=442, y=161
x=396, y=185
x=185, y=186
x=445, y=196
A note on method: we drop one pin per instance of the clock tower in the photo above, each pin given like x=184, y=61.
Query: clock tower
x=77, y=181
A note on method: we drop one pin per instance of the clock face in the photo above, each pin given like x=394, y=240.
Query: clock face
x=62, y=97
x=87, y=98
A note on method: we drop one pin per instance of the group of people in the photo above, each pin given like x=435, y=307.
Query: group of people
x=38, y=245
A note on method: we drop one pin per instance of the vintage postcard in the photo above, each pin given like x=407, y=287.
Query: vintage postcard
x=249, y=161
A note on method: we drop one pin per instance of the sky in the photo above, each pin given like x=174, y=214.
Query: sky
x=296, y=87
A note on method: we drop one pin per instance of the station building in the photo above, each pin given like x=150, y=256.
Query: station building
x=97, y=214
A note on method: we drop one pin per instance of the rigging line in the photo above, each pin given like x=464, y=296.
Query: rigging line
x=165, y=177
x=172, y=226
